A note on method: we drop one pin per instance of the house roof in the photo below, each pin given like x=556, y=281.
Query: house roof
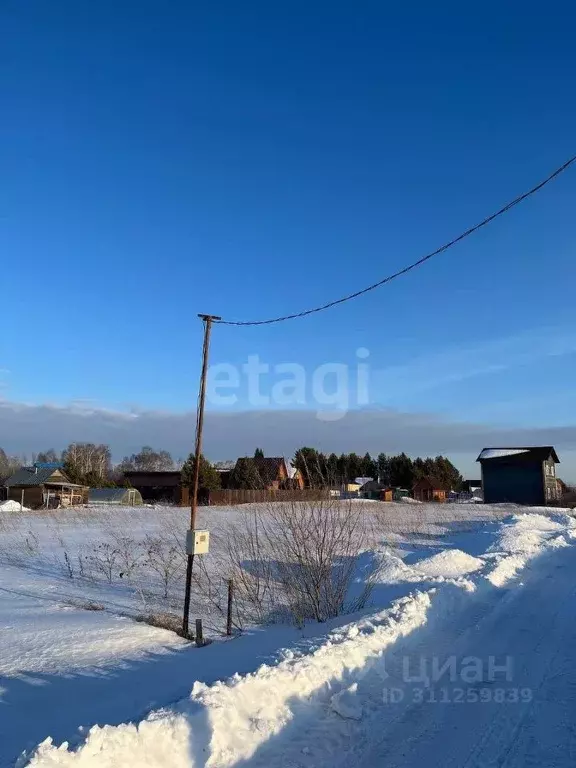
x=519, y=453
x=160, y=479
x=34, y=476
x=371, y=485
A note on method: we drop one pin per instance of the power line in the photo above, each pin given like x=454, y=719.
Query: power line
x=410, y=267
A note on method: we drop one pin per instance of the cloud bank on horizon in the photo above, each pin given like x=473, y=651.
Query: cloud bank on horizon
x=29, y=428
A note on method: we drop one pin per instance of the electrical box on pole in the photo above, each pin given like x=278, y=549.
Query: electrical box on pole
x=197, y=542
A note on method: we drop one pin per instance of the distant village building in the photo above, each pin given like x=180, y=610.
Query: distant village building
x=430, y=489
x=44, y=485
x=471, y=486
x=519, y=475
x=159, y=486
x=274, y=471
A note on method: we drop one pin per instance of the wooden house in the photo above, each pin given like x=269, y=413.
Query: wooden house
x=430, y=489
x=160, y=486
x=44, y=486
x=520, y=475
x=274, y=472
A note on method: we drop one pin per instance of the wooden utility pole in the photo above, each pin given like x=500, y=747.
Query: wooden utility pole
x=207, y=320
x=230, y=603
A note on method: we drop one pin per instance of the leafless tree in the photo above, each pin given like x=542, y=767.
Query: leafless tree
x=147, y=460
x=87, y=460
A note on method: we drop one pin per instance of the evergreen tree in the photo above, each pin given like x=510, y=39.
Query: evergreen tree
x=383, y=465
x=4, y=466
x=342, y=468
x=401, y=472
x=369, y=467
x=420, y=469
x=445, y=471
x=245, y=475
x=208, y=479
x=354, y=467
x=312, y=465
x=333, y=475
x=258, y=453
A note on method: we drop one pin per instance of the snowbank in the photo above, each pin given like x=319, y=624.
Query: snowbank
x=227, y=722
x=233, y=718
x=450, y=563
x=525, y=537
x=12, y=506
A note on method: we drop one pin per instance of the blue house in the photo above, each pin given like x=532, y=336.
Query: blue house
x=521, y=475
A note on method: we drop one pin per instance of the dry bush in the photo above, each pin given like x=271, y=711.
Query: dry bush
x=91, y=606
x=161, y=620
x=105, y=559
x=166, y=559
x=299, y=557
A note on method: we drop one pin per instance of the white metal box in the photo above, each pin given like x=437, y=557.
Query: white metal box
x=197, y=542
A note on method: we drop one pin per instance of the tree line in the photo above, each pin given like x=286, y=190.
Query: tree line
x=398, y=471
x=91, y=464
x=320, y=470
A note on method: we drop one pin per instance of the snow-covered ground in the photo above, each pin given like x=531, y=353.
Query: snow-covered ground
x=95, y=688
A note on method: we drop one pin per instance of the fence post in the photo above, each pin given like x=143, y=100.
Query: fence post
x=199, y=633
x=230, y=601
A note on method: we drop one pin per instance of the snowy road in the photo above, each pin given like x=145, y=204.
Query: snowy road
x=534, y=625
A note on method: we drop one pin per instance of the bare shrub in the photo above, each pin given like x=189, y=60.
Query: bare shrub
x=105, y=559
x=252, y=568
x=316, y=549
x=130, y=555
x=300, y=556
x=165, y=558
x=32, y=543
x=68, y=565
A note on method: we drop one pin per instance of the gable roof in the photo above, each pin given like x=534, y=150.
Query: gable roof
x=34, y=476
x=371, y=485
x=519, y=453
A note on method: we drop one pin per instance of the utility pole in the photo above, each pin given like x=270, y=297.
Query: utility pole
x=207, y=320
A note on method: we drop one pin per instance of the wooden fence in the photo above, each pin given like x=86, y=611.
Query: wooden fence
x=226, y=497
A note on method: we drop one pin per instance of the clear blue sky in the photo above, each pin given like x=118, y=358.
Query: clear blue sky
x=161, y=159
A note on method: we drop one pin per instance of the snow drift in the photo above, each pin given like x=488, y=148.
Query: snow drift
x=229, y=721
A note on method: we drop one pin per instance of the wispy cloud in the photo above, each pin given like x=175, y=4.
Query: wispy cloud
x=458, y=364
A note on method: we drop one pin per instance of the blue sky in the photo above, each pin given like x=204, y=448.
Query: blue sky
x=252, y=159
